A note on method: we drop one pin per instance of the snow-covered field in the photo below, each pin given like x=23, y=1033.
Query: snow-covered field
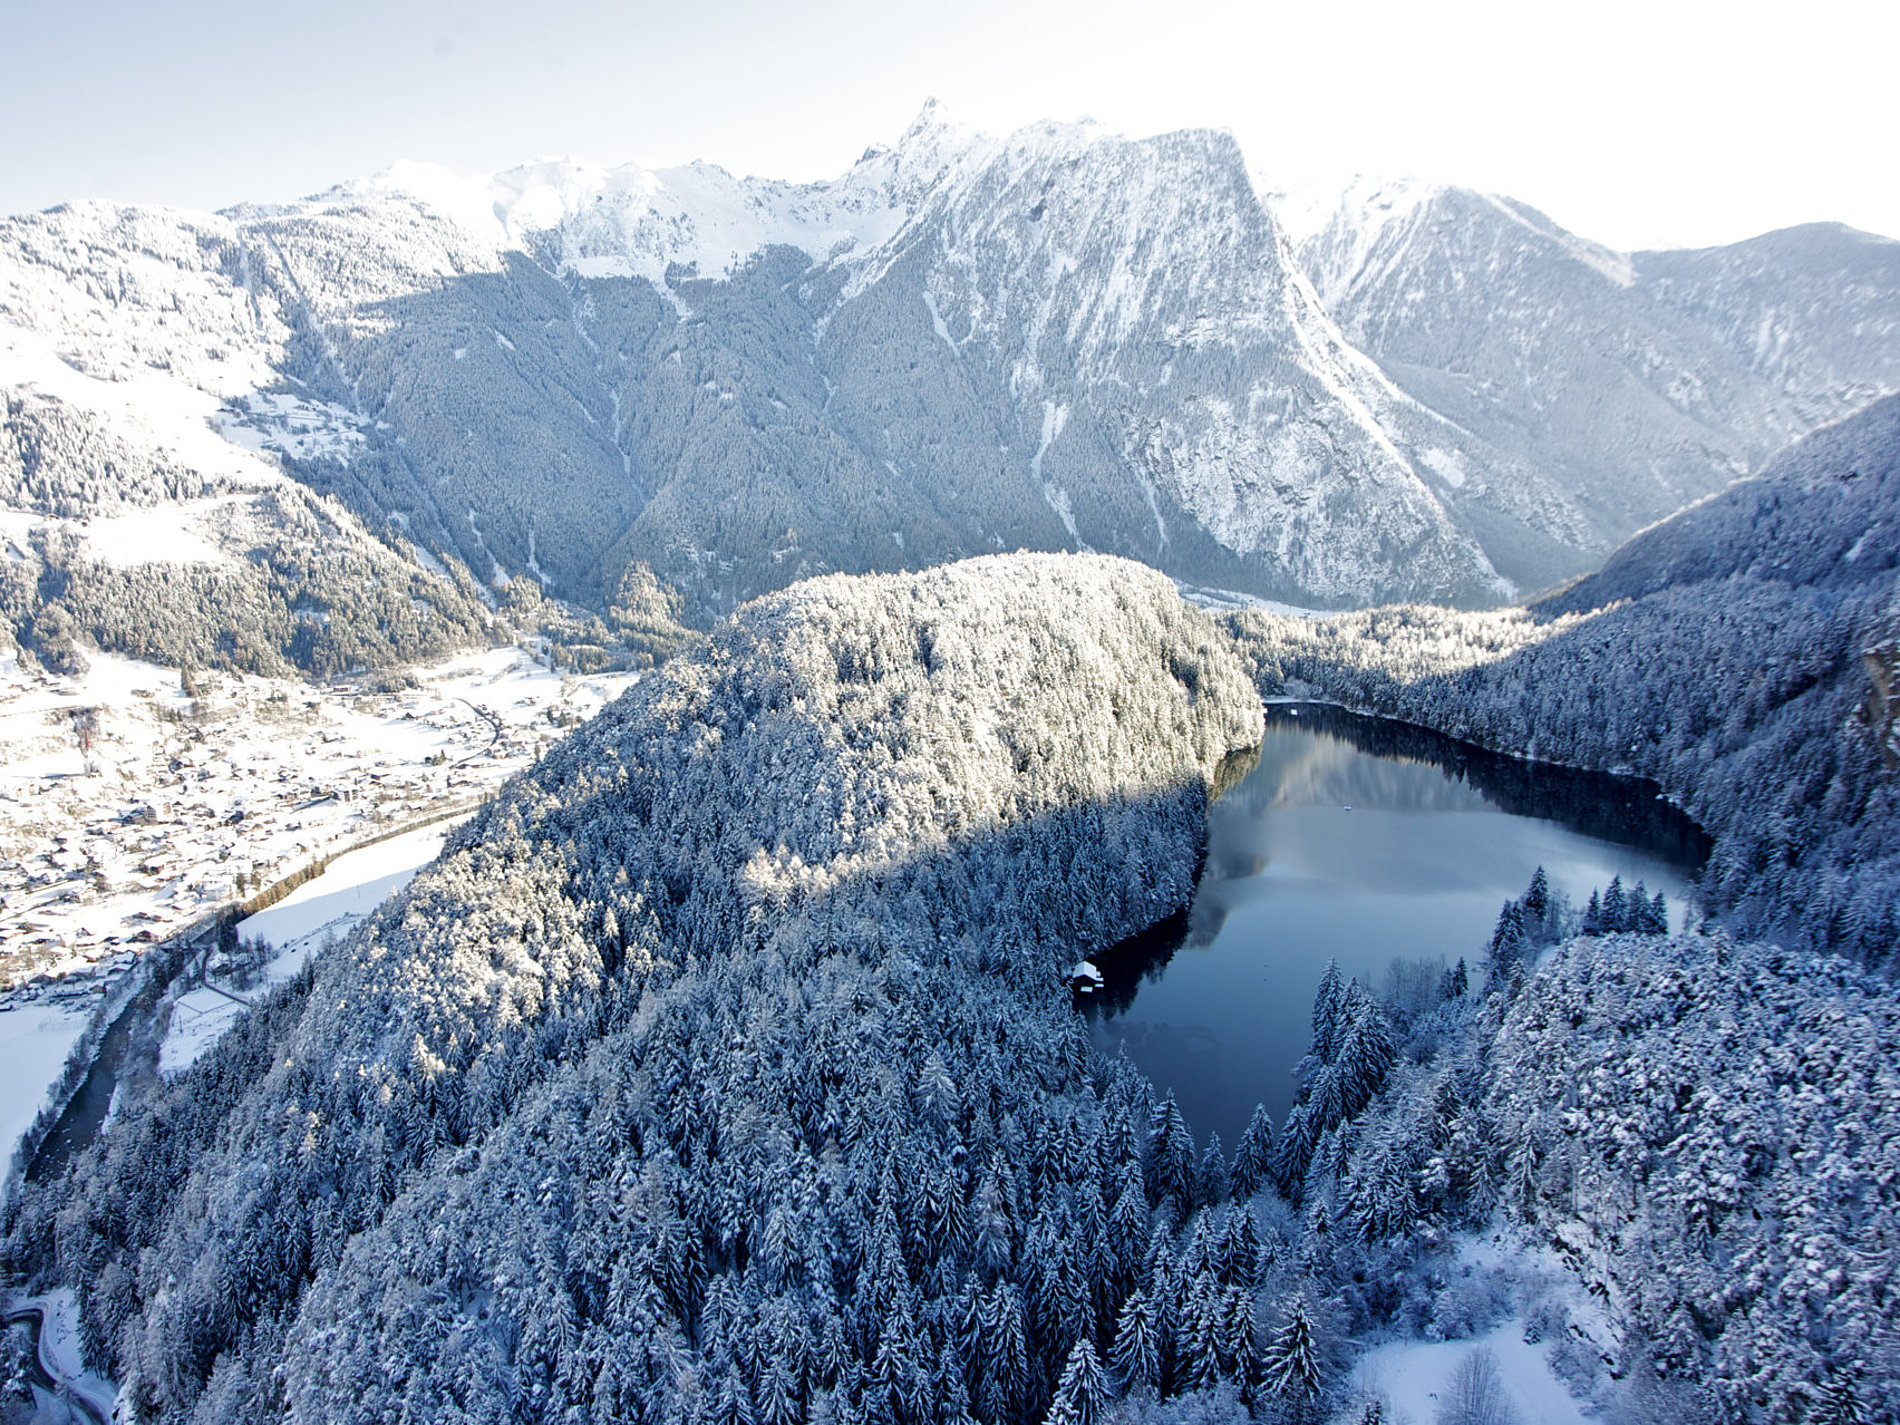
x=317, y=914
x=130, y=808
x=1416, y=1379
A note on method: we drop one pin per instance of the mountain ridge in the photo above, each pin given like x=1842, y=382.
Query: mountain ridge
x=1060, y=339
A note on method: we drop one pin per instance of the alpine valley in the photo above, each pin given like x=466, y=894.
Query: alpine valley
x=818, y=623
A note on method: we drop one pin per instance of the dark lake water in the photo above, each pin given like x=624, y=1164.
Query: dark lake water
x=1216, y=1004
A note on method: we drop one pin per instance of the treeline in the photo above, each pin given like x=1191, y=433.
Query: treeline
x=315, y=595
x=303, y=587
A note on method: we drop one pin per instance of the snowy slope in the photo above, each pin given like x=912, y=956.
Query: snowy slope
x=1630, y=383
x=1058, y=339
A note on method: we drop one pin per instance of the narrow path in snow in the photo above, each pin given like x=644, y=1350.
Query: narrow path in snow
x=42, y=1374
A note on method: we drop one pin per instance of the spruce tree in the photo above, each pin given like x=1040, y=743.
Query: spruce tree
x=1136, y=1354
x=1615, y=907
x=1536, y=906
x=1290, y=1365
x=1253, y=1155
x=1328, y=1006
x=1593, y=915
x=1082, y=1395
x=1505, y=957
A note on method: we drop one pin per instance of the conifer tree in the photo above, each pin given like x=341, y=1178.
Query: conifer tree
x=1136, y=1354
x=1253, y=1154
x=1505, y=957
x=1082, y=1394
x=1536, y=905
x=1593, y=915
x=1328, y=1008
x=1290, y=1365
x=1615, y=908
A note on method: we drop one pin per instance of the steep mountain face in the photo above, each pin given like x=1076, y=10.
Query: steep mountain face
x=1061, y=340
x=1630, y=383
x=1823, y=514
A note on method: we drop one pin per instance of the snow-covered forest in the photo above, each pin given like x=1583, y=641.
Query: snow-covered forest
x=733, y=1040
x=725, y=1068
x=1739, y=654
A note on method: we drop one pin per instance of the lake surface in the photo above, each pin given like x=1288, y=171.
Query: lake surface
x=1359, y=840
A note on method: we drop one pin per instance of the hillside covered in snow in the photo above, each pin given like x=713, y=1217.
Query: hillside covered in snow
x=1062, y=339
x=741, y=994
x=726, y=1064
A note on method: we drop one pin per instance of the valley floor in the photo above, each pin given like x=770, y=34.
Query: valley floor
x=180, y=806
x=129, y=808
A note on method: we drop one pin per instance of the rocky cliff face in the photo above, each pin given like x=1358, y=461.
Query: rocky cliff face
x=1628, y=384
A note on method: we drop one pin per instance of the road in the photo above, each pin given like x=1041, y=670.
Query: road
x=43, y=1376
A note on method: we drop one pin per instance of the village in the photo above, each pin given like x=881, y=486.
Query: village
x=136, y=800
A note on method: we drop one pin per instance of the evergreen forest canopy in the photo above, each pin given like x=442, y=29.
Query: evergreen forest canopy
x=725, y=1068
x=760, y=982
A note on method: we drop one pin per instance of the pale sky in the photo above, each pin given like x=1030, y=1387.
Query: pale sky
x=1650, y=123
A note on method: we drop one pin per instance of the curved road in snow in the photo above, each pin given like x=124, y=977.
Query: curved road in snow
x=42, y=1374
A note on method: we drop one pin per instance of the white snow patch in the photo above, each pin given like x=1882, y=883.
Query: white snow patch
x=350, y=888
x=936, y=322
x=291, y=425
x=631, y=221
x=1054, y=417
x=163, y=534
x=199, y=1019
x=318, y=913
x=1229, y=600
x=34, y=1042
x=142, y=405
x=1447, y=465
x=1413, y=1377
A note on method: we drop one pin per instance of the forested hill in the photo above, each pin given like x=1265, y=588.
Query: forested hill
x=1740, y=654
x=1822, y=514
x=725, y=1060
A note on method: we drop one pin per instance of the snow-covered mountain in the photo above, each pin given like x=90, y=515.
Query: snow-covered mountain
x=1062, y=339
x=1631, y=382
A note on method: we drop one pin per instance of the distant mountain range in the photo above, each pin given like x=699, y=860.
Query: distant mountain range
x=1063, y=339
